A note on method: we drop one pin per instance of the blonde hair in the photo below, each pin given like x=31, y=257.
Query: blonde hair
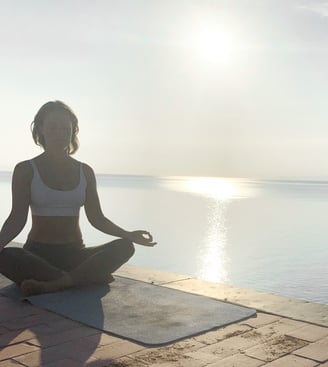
x=41, y=115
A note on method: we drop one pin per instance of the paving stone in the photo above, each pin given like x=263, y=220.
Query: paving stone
x=237, y=360
x=102, y=339
x=16, y=350
x=93, y=362
x=184, y=346
x=212, y=337
x=292, y=361
x=261, y=319
x=310, y=333
x=64, y=363
x=170, y=353
x=201, y=356
x=15, y=310
x=280, y=305
x=65, y=336
x=14, y=337
x=63, y=324
x=274, y=329
x=10, y=363
x=182, y=363
x=274, y=348
x=317, y=351
x=22, y=322
x=116, y=350
x=49, y=355
x=228, y=347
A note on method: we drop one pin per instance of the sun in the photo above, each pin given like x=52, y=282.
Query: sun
x=211, y=43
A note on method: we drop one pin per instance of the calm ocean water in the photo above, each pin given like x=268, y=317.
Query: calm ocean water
x=266, y=235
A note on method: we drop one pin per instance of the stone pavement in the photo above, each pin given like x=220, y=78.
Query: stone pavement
x=33, y=337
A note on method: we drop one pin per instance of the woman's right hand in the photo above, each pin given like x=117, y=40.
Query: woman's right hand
x=142, y=237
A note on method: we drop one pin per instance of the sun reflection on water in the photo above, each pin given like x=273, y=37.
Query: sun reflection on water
x=221, y=189
x=212, y=255
x=219, y=192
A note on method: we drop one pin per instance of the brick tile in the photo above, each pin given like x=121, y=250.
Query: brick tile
x=64, y=363
x=22, y=322
x=43, y=356
x=229, y=346
x=116, y=350
x=14, y=337
x=206, y=356
x=274, y=348
x=170, y=353
x=214, y=336
x=93, y=362
x=181, y=363
x=16, y=350
x=237, y=360
x=261, y=319
x=280, y=327
x=10, y=363
x=63, y=324
x=14, y=311
x=65, y=336
x=102, y=339
x=310, y=333
x=184, y=346
x=292, y=361
x=317, y=351
x=80, y=350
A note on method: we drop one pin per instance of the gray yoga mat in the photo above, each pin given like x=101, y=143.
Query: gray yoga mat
x=142, y=312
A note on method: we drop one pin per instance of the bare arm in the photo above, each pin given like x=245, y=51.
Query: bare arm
x=20, y=203
x=98, y=220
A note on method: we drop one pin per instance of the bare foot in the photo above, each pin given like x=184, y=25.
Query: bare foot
x=31, y=287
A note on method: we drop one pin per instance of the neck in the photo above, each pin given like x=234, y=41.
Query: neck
x=57, y=155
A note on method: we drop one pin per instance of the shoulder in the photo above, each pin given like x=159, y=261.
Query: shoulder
x=88, y=173
x=23, y=169
x=22, y=175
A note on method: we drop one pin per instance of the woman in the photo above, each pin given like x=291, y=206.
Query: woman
x=55, y=186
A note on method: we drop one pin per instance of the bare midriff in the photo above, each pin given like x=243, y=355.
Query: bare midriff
x=55, y=230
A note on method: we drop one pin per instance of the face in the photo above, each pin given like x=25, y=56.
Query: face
x=57, y=129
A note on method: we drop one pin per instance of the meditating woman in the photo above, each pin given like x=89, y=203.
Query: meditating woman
x=55, y=186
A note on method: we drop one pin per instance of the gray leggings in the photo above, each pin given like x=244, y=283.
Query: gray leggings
x=86, y=265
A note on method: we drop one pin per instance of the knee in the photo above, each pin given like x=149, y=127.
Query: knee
x=10, y=253
x=120, y=248
x=127, y=247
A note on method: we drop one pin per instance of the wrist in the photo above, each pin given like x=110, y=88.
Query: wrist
x=127, y=235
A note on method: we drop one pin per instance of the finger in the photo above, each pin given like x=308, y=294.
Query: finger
x=147, y=234
x=151, y=244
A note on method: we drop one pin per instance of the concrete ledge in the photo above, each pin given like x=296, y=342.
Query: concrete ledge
x=296, y=309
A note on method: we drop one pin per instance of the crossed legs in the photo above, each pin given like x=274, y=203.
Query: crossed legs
x=89, y=265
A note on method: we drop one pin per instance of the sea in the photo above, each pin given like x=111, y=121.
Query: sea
x=268, y=235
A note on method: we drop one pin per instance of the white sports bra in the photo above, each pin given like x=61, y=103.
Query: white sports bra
x=50, y=202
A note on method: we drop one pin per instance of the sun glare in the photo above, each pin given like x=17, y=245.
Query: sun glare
x=212, y=43
x=218, y=188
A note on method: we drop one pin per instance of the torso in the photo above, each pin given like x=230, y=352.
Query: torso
x=57, y=229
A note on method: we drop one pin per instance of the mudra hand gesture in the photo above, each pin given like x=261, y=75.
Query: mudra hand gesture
x=142, y=238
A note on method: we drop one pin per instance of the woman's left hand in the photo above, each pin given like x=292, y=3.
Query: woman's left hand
x=143, y=238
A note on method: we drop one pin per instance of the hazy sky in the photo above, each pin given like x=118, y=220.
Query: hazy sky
x=172, y=87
